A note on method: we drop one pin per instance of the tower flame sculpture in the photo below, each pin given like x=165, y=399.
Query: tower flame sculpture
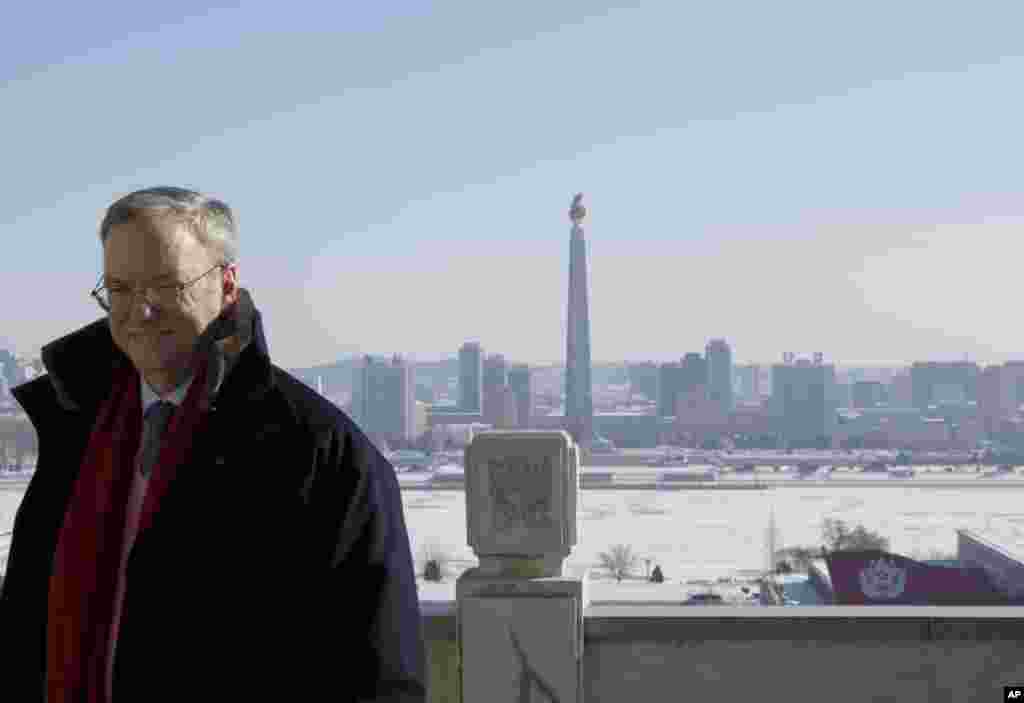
x=579, y=406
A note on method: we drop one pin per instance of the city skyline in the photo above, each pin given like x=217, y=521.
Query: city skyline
x=399, y=174
x=452, y=357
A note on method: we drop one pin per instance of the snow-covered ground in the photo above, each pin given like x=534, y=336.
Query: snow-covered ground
x=707, y=534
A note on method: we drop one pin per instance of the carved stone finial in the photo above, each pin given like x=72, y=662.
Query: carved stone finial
x=521, y=489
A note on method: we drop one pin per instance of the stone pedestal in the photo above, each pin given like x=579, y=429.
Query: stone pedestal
x=519, y=615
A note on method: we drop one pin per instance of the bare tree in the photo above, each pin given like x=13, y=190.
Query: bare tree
x=798, y=558
x=838, y=536
x=620, y=560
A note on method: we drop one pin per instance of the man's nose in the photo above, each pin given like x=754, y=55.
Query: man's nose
x=141, y=309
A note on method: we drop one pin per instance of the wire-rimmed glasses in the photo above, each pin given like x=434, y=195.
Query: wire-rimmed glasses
x=121, y=296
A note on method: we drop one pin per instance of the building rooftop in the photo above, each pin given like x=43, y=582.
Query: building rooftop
x=1002, y=535
x=882, y=410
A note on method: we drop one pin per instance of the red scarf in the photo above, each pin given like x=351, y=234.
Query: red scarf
x=84, y=578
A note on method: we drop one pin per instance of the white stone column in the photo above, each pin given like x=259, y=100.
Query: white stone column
x=519, y=614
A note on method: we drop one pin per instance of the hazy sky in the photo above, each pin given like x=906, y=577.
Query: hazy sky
x=793, y=176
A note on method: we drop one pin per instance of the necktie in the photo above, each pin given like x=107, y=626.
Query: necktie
x=156, y=419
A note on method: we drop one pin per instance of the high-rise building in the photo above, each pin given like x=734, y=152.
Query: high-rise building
x=519, y=382
x=748, y=386
x=803, y=400
x=935, y=383
x=8, y=367
x=901, y=391
x=1011, y=387
x=406, y=371
x=579, y=404
x=471, y=372
x=677, y=378
x=643, y=379
x=844, y=395
x=695, y=372
x=508, y=415
x=361, y=387
x=383, y=398
x=670, y=385
x=719, y=374
x=867, y=394
x=1000, y=394
x=495, y=381
x=990, y=400
x=425, y=394
x=420, y=424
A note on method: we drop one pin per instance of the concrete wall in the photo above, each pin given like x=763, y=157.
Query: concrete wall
x=833, y=653
x=836, y=653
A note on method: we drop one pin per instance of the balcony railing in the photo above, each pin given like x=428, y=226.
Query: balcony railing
x=522, y=629
x=842, y=654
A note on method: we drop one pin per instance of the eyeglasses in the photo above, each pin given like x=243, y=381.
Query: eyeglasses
x=121, y=296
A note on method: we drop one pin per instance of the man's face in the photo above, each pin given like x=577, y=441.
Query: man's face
x=160, y=339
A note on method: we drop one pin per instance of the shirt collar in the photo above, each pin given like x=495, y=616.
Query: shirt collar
x=149, y=396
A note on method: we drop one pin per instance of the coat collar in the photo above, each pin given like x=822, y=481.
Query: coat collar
x=80, y=366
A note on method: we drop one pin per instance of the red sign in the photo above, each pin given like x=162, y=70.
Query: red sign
x=874, y=577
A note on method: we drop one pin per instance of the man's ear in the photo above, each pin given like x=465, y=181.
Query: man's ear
x=231, y=296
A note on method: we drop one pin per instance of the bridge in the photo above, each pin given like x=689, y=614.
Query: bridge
x=804, y=459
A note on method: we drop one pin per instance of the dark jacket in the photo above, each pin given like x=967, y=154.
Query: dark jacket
x=277, y=568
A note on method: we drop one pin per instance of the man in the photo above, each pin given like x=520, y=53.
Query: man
x=201, y=526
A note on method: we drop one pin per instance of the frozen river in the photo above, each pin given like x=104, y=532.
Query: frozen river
x=710, y=533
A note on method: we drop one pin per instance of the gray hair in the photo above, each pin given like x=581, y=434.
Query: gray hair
x=210, y=219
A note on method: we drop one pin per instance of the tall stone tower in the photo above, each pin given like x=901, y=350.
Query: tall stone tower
x=579, y=406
